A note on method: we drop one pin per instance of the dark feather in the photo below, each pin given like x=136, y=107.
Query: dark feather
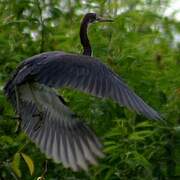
x=60, y=136
x=57, y=69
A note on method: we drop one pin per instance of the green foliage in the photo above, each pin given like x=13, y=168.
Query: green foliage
x=15, y=165
x=141, y=45
x=29, y=163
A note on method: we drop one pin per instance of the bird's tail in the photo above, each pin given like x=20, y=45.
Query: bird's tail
x=56, y=130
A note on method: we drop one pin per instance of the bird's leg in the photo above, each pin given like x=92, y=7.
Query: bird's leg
x=39, y=112
x=17, y=101
x=18, y=117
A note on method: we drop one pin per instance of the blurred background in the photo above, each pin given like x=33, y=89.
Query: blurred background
x=142, y=45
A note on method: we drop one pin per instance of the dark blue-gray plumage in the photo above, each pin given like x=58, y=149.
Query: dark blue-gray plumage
x=44, y=115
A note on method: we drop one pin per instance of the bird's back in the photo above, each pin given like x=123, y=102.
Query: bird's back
x=25, y=68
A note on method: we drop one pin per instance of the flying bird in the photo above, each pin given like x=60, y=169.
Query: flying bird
x=44, y=114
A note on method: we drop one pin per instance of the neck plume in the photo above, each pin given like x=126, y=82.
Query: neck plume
x=84, y=38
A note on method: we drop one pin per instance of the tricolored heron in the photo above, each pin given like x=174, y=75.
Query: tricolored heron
x=45, y=117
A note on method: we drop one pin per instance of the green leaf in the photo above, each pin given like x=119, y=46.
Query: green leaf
x=140, y=159
x=140, y=135
x=15, y=165
x=29, y=163
x=110, y=148
x=144, y=124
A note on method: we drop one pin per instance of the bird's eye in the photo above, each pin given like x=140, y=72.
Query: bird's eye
x=93, y=18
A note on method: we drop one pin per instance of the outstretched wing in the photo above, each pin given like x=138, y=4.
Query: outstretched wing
x=86, y=74
x=59, y=134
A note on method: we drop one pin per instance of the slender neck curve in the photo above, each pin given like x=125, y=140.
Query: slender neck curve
x=84, y=38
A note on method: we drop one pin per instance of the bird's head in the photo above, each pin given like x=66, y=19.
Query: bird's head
x=93, y=17
x=88, y=19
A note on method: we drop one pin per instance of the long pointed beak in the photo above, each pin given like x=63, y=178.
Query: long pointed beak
x=101, y=19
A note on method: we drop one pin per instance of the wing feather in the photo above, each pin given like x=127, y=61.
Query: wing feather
x=57, y=69
x=59, y=134
x=89, y=75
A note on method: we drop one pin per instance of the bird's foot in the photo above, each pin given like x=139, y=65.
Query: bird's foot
x=39, y=114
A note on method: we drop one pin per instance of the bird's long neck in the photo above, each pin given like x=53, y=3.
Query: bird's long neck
x=84, y=38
